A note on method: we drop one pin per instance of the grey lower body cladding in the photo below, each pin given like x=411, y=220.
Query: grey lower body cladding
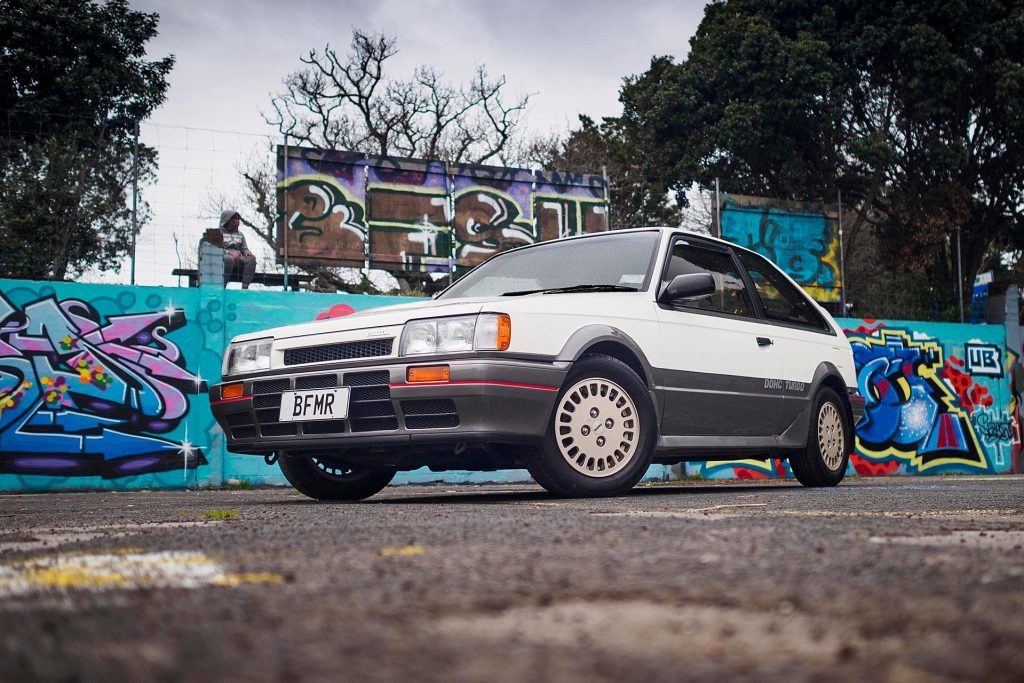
x=484, y=401
x=706, y=416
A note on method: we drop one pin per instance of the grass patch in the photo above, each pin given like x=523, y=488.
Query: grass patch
x=221, y=513
x=240, y=485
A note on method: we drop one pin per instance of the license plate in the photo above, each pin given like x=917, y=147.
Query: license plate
x=318, y=404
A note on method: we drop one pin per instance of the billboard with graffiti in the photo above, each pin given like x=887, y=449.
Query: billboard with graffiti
x=938, y=401
x=802, y=238
x=349, y=209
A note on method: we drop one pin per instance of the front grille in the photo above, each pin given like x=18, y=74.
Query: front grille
x=341, y=351
x=431, y=421
x=365, y=379
x=266, y=401
x=375, y=424
x=316, y=382
x=243, y=433
x=434, y=413
x=271, y=386
x=370, y=408
x=323, y=427
x=239, y=420
x=430, y=406
x=280, y=429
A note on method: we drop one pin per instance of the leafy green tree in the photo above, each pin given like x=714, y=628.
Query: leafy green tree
x=74, y=82
x=637, y=198
x=915, y=111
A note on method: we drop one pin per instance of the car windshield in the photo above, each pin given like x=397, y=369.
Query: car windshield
x=609, y=262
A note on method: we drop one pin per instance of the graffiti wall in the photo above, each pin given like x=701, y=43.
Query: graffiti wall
x=938, y=401
x=345, y=208
x=104, y=386
x=802, y=238
x=94, y=387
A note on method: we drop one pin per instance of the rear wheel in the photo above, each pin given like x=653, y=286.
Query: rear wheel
x=326, y=478
x=829, y=441
x=600, y=439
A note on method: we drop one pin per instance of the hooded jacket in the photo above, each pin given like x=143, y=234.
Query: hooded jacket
x=232, y=240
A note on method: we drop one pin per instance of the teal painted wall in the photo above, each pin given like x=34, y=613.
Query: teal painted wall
x=104, y=386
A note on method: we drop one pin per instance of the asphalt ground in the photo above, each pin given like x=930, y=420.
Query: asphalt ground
x=884, y=579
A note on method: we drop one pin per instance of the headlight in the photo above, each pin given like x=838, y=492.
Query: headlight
x=249, y=356
x=484, y=332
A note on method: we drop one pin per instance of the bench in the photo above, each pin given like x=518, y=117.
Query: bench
x=295, y=280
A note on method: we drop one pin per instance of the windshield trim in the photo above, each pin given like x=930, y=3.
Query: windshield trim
x=648, y=276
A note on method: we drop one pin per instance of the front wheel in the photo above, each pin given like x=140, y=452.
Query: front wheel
x=601, y=436
x=325, y=478
x=829, y=441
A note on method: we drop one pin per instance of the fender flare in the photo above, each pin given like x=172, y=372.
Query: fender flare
x=589, y=335
x=827, y=370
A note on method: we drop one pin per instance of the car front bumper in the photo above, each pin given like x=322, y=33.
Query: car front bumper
x=491, y=401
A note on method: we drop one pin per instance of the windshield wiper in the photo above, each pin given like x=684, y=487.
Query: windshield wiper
x=574, y=288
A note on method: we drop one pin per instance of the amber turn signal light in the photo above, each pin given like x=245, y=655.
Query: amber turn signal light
x=428, y=373
x=504, y=332
x=232, y=390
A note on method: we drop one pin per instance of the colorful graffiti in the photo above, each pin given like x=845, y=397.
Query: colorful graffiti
x=83, y=396
x=802, y=238
x=912, y=412
x=341, y=208
x=937, y=401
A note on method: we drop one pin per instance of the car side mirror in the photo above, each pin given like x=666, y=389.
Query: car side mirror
x=688, y=286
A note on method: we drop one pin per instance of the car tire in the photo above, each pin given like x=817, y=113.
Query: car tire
x=829, y=442
x=606, y=450
x=323, y=478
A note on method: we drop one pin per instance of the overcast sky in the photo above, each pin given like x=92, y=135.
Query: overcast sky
x=233, y=54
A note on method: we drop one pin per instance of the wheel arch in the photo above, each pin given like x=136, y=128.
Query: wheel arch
x=608, y=341
x=828, y=375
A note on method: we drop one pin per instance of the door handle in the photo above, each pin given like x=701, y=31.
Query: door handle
x=764, y=341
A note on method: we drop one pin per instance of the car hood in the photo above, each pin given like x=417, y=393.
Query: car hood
x=379, y=317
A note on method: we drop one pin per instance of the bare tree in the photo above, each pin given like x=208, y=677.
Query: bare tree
x=349, y=103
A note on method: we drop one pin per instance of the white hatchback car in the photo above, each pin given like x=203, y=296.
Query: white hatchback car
x=584, y=360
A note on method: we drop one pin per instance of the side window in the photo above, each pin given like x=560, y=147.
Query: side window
x=730, y=295
x=782, y=300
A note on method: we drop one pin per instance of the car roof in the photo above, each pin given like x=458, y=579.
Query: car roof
x=654, y=228
x=663, y=229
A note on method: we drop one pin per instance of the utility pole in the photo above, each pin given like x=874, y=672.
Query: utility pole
x=842, y=260
x=135, y=197
x=959, y=275
x=718, y=209
x=284, y=215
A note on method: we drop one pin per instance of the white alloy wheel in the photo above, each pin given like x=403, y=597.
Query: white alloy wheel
x=597, y=427
x=831, y=438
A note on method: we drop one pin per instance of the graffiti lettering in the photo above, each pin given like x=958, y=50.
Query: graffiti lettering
x=78, y=395
x=983, y=359
x=996, y=427
x=411, y=215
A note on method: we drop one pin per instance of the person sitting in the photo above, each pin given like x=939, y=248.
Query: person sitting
x=236, y=252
